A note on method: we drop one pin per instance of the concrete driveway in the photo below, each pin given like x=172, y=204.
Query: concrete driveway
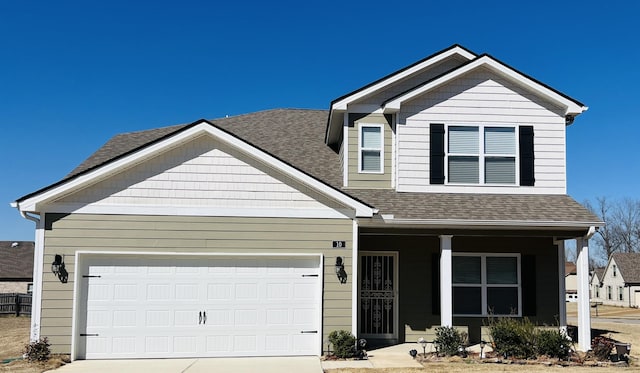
x=298, y=364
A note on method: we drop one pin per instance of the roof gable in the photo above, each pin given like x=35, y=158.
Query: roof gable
x=628, y=266
x=340, y=104
x=572, y=107
x=96, y=170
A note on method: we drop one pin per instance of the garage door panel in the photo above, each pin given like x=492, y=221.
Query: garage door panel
x=140, y=307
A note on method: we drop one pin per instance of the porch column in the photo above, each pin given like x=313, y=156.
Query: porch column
x=446, y=290
x=584, y=315
x=562, y=288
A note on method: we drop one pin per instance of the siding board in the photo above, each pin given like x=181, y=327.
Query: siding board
x=369, y=180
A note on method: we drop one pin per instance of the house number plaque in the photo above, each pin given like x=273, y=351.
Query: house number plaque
x=339, y=244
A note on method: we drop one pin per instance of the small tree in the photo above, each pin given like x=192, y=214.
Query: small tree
x=343, y=343
x=449, y=340
x=38, y=350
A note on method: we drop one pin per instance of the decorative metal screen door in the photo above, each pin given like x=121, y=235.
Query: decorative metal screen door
x=378, y=305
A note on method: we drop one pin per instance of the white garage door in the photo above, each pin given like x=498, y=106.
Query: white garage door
x=205, y=307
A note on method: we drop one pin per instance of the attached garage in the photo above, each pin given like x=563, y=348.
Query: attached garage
x=157, y=306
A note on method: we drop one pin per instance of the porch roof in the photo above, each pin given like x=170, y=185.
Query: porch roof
x=560, y=210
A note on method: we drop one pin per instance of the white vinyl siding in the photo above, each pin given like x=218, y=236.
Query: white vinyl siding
x=486, y=284
x=371, y=156
x=201, y=175
x=481, y=97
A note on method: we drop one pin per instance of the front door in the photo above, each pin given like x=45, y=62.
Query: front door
x=378, y=292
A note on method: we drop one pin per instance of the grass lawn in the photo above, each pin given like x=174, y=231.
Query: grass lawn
x=13, y=338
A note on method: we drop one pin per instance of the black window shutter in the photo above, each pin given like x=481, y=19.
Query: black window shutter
x=527, y=172
x=436, y=154
x=529, y=292
x=435, y=284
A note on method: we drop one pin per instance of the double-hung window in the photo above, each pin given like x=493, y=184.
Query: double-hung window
x=486, y=284
x=481, y=155
x=370, y=148
x=620, y=293
x=609, y=295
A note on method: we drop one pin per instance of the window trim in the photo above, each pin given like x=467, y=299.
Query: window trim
x=484, y=285
x=361, y=149
x=482, y=156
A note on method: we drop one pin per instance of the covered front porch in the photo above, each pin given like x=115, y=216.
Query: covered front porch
x=414, y=279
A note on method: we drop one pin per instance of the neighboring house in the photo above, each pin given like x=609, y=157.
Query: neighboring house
x=433, y=196
x=16, y=266
x=571, y=281
x=620, y=282
x=595, y=285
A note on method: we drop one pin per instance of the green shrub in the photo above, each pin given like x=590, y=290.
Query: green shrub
x=343, y=343
x=38, y=350
x=512, y=337
x=449, y=340
x=601, y=347
x=553, y=343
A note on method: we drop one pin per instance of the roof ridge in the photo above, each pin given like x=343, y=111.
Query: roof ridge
x=267, y=111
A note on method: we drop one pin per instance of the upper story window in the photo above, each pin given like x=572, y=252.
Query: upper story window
x=615, y=271
x=370, y=145
x=481, y=155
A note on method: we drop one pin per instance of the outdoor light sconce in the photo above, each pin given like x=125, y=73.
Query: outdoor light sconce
x=340, y=272
x=58, y=269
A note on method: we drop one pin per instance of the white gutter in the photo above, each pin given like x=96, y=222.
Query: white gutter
x=388, y=220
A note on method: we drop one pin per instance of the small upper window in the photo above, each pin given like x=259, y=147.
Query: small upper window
x=370, y=148
x=615, y=271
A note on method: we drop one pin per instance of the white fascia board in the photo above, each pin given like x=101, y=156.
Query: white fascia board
x=486, y=61
x=34, y=203
x=342, y=104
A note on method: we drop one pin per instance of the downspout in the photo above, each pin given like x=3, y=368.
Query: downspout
x=36, y=302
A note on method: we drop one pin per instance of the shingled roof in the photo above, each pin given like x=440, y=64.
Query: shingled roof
x=16, y=260
x=295, y=136
x=628, y=266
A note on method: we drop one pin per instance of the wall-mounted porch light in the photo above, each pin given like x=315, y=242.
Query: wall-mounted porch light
x=340, y=272
x=58, y=269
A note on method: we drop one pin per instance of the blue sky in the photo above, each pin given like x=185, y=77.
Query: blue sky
x=75, y=73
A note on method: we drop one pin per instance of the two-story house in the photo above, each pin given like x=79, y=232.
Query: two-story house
x=433, y=196
x=618, y=284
